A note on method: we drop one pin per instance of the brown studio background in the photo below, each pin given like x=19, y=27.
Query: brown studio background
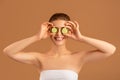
x=20, y=19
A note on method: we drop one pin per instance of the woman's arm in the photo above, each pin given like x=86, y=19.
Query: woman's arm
x=14, y=50
x=101, y=45
x=103, y=48
x=19, y=45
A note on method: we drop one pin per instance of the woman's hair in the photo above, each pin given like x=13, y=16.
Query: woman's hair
x=59, y=16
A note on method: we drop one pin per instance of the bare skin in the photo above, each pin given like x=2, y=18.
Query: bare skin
x=59, y=57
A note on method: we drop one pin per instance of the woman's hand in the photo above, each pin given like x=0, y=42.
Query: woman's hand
x=44, y=33
x=75, y=32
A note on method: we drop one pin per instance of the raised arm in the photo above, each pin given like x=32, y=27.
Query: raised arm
x=19, y=45
x=15, y=50
x=103, y=48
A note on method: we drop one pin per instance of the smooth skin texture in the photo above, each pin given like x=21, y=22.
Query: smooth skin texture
x=59, y=57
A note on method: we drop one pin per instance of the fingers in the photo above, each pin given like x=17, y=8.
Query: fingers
x=69, y=34
x=47, y=24
x=77, y=24
x=70, y=23
x=73, y=24
x=44, y=30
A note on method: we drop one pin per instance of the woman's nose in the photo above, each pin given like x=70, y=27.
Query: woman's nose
x=59, y=32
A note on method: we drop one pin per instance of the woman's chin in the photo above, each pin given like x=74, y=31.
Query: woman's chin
x=59, y=42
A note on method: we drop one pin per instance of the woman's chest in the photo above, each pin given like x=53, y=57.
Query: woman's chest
x=61, y=62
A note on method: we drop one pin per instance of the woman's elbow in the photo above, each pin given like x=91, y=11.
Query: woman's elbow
x=112, y=51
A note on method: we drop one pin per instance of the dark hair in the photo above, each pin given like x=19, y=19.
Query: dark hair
x=59, y=16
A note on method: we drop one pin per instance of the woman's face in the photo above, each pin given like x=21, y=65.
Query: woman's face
x=57, y=34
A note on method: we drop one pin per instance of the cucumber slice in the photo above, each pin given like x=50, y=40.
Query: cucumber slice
x=64, y=30
x=54, y=30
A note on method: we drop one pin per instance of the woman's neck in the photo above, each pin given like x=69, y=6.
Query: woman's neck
x=59, y=50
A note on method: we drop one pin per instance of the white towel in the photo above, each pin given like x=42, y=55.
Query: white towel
x=58, y=75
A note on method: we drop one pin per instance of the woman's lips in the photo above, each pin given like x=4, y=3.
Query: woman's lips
x=58, y=38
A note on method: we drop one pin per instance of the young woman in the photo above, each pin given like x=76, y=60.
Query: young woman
x=59, y=63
